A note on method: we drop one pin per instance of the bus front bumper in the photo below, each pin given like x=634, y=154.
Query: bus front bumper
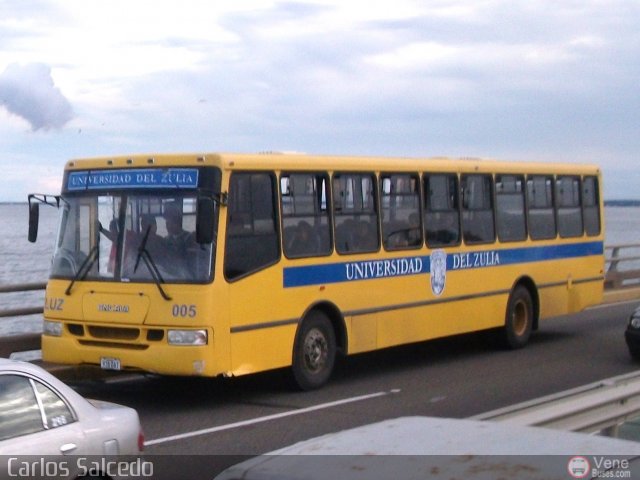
x=153, y=357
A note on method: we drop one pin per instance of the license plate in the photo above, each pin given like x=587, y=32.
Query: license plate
x=107, y=363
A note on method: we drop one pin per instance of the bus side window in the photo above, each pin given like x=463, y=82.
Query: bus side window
x=568, y=207
x=305, y=215
x=591, y=205
x=442, y=215
x=400, y=200
x=540, y=209
x=252, y=235
x=510, y=215
x=477, y=209
x=355, y=213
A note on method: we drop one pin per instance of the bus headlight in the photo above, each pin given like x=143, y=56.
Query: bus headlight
x=53, y=329
x=187, y=337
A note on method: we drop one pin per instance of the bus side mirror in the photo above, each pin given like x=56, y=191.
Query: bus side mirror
x=205, y=220
x=34, y=219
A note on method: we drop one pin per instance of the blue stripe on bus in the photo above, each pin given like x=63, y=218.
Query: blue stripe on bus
x=416, y=265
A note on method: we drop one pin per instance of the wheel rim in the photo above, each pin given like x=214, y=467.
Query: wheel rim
x=520, y=318
x=316, y=350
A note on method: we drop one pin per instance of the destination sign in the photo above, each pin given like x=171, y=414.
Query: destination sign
x=133, y=178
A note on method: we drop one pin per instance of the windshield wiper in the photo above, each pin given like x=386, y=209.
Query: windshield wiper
x=142, y=248
x=85, y=266
x=144, y=254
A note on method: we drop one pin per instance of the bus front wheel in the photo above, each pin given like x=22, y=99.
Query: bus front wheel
x=314, y=351
x=519, y=318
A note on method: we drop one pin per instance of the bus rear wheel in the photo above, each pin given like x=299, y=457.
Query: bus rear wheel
x=314, y=352
x=518, y=319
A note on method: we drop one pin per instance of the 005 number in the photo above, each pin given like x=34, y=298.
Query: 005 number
x=184, y=311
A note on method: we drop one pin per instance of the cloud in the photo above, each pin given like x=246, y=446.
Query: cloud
x=523, y=80
x=28, y=91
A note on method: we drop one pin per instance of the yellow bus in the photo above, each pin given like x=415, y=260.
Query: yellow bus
x=229, y=264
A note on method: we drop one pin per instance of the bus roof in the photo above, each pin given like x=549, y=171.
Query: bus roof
x=287, y=161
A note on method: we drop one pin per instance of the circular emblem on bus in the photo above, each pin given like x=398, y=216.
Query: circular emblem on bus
x=438, y=270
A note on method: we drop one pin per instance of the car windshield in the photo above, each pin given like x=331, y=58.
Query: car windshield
x=129, y=238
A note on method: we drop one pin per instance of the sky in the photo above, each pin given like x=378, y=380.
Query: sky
x=552, y=81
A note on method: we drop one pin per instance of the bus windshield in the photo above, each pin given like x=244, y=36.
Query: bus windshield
x=131, y=237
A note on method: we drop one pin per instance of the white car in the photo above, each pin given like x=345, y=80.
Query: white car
x=411, y=448
x=41, y=417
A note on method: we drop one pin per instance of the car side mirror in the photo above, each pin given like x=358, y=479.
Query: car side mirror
x=34, y=219
x=205, y=218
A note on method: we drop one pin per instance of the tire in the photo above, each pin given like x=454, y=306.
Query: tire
x=518, y=319
x=634, y=351
x=314, y=352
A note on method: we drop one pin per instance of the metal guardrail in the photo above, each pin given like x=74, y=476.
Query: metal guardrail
x=19, y=288
x=622, y=282
x=598, y=407
x=623, y=266
x=24, y=342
